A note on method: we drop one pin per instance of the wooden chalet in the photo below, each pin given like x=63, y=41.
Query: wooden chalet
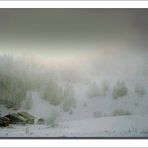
x=16, y=119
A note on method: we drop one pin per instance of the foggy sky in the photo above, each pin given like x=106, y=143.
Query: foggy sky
x=45, y=31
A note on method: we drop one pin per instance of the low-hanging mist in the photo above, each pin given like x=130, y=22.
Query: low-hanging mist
x=75, y=66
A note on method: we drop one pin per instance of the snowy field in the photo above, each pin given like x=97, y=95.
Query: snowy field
x=124, y=126
x=82, y=122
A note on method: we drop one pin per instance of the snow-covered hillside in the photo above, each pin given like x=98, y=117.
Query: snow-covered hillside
x=101, y=99
x=124, y=126
x=82, y=122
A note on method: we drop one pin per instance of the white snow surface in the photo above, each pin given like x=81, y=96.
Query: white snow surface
x=123, y=126
x=82, y=122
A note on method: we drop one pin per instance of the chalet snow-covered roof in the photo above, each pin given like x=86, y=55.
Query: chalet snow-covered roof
x=19, y=117
x=26, y=115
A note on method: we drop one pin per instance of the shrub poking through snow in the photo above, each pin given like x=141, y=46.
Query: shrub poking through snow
x=53, y=93
x=28, y=102
x=104, y=88
x=52, y=119
x=140, y=91
x=97, y=114
x=71, y=112
x=119, y=90
x=85, y=104
x=69, y=100
x=136, y=104
x=41, y=121
x=121, y=112
x=93, y=90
